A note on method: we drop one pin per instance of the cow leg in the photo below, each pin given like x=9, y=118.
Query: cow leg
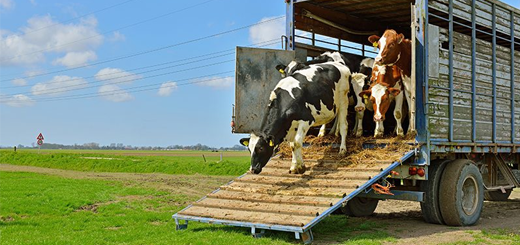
x=322, y=130
x=334, y=129
x=398, y=115
x=343, y=124
x=358, y=128
x=297, y=165
x=380, y=129
x=411, y=104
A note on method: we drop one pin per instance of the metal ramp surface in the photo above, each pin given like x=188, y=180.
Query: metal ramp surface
x=277, y=200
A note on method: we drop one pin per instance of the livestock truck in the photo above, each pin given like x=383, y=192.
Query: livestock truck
x=465, y=100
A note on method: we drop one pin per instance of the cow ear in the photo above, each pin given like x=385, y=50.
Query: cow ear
x=400, y=38
x=394, y=91
x=281, y=68
x=374, y=39
x=244, y=141
x=270, y=140
x=365, y=93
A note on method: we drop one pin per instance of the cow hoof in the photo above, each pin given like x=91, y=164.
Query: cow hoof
x=412, y=132
x=359, y=133
x=299, y=170
x=342, y=152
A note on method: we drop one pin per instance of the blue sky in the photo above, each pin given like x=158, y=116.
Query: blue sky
x=182, y=102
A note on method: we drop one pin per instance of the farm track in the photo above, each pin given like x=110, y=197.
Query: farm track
x=193, y=186
x=404, y=218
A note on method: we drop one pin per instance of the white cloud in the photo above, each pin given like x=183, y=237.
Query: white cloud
x=117, y=36
x=116, y=75
x=44, y=34
x=33, y=73
x=6, y=4
x=58, y=85
x=18, y=100
x=268, y=31
x=215, y=82
x=167, y=88
x=19, y=82
x=114, y=93
x=75, y=59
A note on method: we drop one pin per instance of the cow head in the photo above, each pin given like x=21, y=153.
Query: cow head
x=330, y=57
x=382, y=90
x=261, y=149
x=287, y=70
x=358, y=83
x=388, y=44
x=380, y=98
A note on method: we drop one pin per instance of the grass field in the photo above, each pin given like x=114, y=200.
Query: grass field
x=174, y=162
x=42, y=209
x=105, y=202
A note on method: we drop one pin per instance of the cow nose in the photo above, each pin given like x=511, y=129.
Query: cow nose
x=378, y=58
x=378, y=118
x=257, y=170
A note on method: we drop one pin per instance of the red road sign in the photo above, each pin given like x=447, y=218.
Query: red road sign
x=40, y=142
x=40, y=137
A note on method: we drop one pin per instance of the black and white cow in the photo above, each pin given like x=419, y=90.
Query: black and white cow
x=310, y=96
x=361, y=69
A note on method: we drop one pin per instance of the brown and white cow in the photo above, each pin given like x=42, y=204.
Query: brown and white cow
x=386, y=86
x=395, y=50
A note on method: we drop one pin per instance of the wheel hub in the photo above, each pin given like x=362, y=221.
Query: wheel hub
x=470, y=193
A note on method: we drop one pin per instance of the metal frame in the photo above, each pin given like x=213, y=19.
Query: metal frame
x=494, y=73
x=473, y=73
x=450, y=71
x=512, y=23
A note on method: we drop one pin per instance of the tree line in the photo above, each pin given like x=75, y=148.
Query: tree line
x=121, y=146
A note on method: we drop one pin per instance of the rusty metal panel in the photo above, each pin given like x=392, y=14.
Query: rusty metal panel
x=255, y=77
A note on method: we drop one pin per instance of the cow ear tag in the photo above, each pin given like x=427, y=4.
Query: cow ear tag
x=365, y=96
x=271, y=143
x=375, y=44
x=281, y=71
x=246, y=143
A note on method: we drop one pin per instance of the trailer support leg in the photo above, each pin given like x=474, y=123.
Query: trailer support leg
x=179, y=226
x=306, y=237
x=255, y=234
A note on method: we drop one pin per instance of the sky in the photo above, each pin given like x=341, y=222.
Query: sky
x=137, y=72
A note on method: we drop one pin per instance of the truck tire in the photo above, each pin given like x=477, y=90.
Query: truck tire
x=430, y=208
x=497, y=195
x=461, y=193
x=360, y=207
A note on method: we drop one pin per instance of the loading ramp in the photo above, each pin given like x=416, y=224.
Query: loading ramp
x=277, y=200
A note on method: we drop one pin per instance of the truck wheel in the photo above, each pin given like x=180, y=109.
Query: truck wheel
x=497, y=195
x=430, y=207
x=461, y=193
x=360, y=207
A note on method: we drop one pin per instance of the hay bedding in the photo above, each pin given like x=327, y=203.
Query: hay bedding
x=327, y=148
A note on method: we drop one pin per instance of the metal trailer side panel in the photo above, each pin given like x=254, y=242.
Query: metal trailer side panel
x=472, y=74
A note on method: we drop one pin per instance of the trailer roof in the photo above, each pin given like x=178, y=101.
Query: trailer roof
x=373, y=16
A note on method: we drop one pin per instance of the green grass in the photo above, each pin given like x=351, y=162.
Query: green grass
x=41, y=209
x=231, y=165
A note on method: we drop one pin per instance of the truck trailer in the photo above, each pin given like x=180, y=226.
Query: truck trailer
x=465, y=102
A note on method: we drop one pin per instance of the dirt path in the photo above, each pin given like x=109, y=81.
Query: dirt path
x=404, y=217
x=193, y=186
x=408, y=225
